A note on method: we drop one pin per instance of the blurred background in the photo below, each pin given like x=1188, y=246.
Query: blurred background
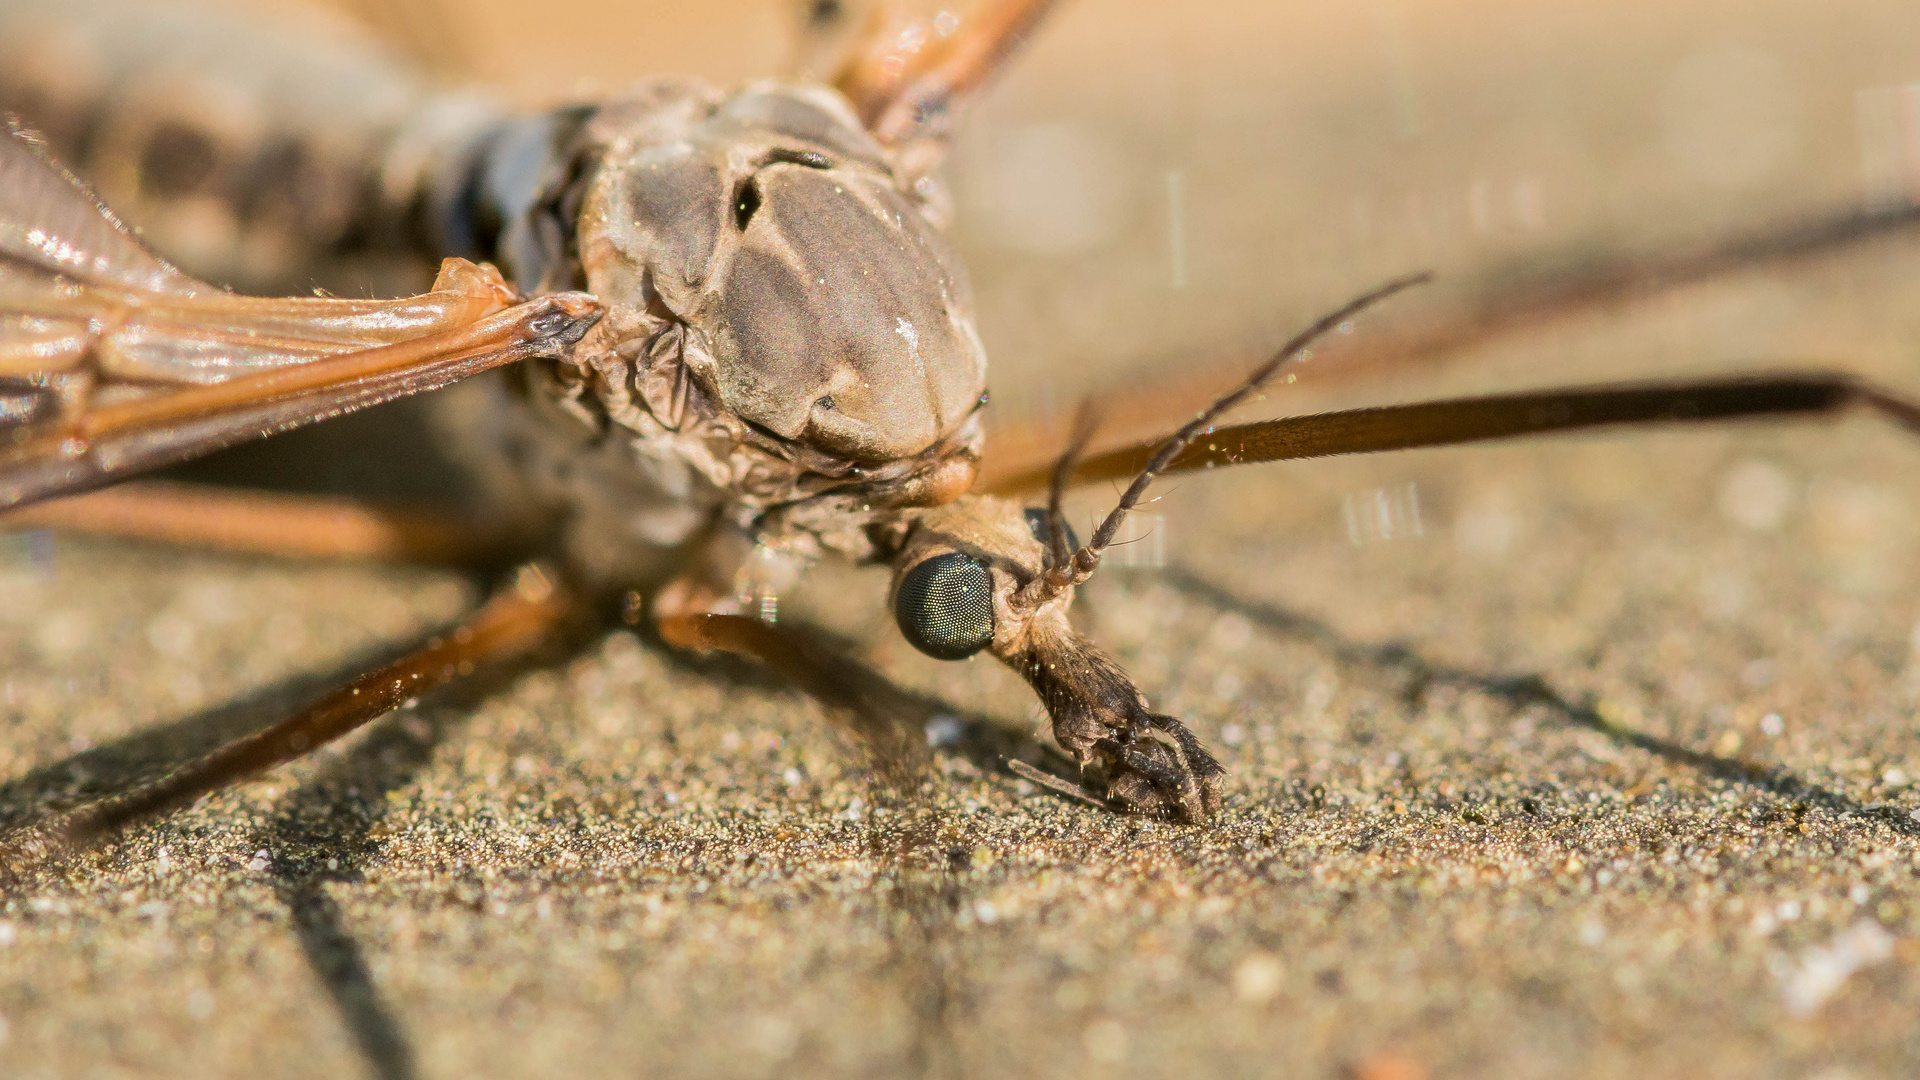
x=1149, y=194
x=1149, y=186
x=1550, y=758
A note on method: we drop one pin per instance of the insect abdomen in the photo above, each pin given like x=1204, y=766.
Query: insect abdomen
x=271, y=156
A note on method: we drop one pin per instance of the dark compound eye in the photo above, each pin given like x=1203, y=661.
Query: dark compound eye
x=945, y=607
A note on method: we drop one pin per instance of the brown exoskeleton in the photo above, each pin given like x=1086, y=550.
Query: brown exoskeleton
x=732, y=321
x=748, y=328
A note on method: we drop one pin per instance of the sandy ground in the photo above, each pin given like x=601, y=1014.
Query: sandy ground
x=1592, y=757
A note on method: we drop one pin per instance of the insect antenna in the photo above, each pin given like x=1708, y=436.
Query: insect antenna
x=1085, y=421
x=1065, y=571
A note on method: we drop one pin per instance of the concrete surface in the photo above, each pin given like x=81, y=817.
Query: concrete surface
x=1597, y=759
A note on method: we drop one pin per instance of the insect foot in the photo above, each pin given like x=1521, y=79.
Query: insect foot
x=1151, y=762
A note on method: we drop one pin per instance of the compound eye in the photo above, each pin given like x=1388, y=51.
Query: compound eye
x=945, y=607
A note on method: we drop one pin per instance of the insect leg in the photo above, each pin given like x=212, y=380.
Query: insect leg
x=908, y=74
x=1502, y=416
x=832, y=679
x=887, y=719
x=1017, y=455
x=513, y=624
x=742, y=636
x=268, y=523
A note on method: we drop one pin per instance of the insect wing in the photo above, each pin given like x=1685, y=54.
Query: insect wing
x=112, y=361
x=51, y=227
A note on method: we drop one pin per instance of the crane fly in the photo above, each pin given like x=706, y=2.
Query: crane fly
x=710, y=322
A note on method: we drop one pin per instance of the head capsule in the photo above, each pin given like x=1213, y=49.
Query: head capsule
x=961, y=581
x=814, y=297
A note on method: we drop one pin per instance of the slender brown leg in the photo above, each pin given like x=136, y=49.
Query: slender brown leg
x=905, y=78
x=882, y=715
x=1502, y=416
x=1016, y=452
x=779, y=649
x=736, y=634
x=269, y=523
x=513, y=624
x=982, y=48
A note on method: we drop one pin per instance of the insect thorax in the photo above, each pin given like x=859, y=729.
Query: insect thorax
x=788, y=347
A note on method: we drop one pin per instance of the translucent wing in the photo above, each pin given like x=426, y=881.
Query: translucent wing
x=112, y=361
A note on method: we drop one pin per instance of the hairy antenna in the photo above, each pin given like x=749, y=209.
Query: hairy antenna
x=1066, y=572
x=1084, y=423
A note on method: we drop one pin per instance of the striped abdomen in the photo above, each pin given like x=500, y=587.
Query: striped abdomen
x=274, y=157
